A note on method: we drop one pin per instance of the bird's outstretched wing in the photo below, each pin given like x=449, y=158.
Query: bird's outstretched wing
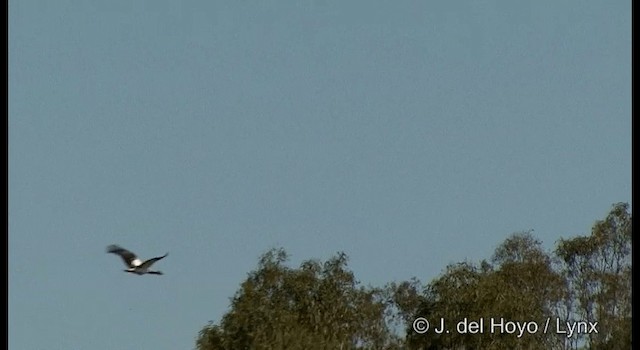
x=147, y=264
x=130, y=259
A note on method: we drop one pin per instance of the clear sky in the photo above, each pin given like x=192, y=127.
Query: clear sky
x=409, y=135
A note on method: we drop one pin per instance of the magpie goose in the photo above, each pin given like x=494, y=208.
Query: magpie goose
x=135, y=265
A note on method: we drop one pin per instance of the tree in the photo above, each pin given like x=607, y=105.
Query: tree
x=528, y=288
x=518, y=285
x=317, y=306
x=597, y=269
x=322, y=306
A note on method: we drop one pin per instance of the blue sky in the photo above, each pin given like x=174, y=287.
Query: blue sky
x=409, y=135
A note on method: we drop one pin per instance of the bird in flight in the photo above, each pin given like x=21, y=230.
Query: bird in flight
x=135, y=265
